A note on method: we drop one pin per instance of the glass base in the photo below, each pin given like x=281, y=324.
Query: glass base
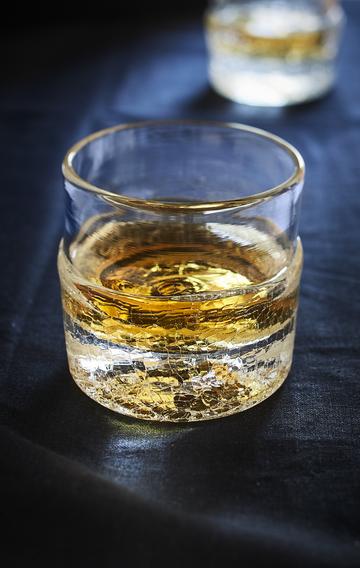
x=276, y=87
x=173, y=387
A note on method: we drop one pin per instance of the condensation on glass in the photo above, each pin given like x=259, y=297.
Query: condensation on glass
x=273, y=52
x=180, y=267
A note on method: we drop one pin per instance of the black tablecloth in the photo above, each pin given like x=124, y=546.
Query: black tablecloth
x=277, y=485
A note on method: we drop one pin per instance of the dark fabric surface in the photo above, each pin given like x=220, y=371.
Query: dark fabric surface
x=277, y=485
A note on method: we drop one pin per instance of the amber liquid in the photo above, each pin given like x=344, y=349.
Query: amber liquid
x=269, y=30
x=179, y=322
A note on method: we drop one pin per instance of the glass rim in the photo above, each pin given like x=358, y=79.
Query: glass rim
x=73, y=177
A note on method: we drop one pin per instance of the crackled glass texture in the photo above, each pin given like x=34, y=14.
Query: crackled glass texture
x=184, y=312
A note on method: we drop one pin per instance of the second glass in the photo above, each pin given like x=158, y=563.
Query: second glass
x=273, y=52
x=180, y=267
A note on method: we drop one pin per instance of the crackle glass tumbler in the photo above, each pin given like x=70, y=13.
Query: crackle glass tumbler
x=180, y=267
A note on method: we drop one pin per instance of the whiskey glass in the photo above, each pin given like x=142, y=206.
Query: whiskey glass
x=273, y=52
x=180, y=267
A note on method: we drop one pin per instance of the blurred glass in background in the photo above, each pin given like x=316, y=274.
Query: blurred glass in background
x=273, y=52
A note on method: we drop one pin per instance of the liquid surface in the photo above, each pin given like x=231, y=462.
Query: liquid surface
x=158, y=317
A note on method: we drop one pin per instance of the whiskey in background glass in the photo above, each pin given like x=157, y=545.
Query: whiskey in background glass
x=273, y=52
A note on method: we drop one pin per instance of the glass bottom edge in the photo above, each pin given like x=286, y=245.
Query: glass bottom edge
x=173, y=388
x=270, y=90
x=123, y=411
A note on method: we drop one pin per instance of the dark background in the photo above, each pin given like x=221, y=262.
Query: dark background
x=276, y=485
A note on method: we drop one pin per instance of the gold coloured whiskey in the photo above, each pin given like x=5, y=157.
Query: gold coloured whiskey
x=179, y=322
x=273, y=52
